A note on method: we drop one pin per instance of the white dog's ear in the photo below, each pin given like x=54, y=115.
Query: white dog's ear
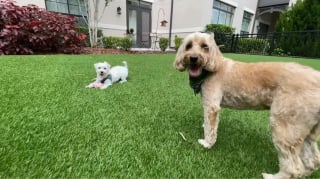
x=178, y=63
x=107, y=64
x=215, y=56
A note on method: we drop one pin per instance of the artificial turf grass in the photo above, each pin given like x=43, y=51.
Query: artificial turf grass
x=52, y=127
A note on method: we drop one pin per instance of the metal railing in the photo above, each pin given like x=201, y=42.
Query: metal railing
x=299, y=43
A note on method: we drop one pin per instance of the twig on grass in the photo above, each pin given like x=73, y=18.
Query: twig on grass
x=183, y=137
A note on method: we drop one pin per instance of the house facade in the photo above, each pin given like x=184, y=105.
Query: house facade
x=147, y=20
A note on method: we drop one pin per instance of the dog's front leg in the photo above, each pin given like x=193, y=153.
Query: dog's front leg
x=91, y=85
x=106, y=84
x=211, y=121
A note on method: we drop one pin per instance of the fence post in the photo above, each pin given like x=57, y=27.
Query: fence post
x=272, y=43
x=235, y=43
x=232, y=43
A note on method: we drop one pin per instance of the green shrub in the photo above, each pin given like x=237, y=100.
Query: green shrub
x=177, y=42
x=85, y=30
x=219, y=28
x=126, y=43
x=302, y=16
x=252, y=45
x=163, y=43
x=305, y=43
x=116, y=42
x=112, y=42
x=278, y=52
x=222, y=35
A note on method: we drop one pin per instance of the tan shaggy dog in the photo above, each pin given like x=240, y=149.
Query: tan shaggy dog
x=291, y=92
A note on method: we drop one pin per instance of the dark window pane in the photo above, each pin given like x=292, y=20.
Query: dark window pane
x=222, y=13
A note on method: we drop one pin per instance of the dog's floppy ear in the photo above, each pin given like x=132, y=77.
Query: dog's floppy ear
x=108, y=65
x=178, y=62
x=214, y=54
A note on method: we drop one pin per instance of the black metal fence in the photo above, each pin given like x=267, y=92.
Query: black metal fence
x=301, y=43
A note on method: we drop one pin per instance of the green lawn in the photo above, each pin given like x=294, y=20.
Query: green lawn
x=52, y=127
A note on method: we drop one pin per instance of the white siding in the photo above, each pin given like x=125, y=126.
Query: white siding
x=249, y=6
x=188, y=15
x=39, y=3
x=111, y=23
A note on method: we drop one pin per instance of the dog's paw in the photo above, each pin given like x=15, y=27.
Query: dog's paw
x=103, y=87
x=267, y=176
x=204, y=143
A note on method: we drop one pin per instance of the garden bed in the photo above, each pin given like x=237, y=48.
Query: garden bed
x=89, y=50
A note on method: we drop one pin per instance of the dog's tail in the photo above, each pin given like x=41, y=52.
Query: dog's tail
x=125, y=64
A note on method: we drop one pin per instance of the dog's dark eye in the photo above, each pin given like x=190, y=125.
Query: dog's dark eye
x=189, y=45
x=205, y=47
x=105, y=68
x=99, y=68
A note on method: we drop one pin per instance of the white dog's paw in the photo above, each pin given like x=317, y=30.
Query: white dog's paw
x=268, y=176
x=204, y=143
x=104, y=87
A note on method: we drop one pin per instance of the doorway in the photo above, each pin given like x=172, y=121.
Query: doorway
x=139, y=22
x=263, y=28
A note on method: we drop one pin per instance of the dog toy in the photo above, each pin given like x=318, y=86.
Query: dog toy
x=97, y=85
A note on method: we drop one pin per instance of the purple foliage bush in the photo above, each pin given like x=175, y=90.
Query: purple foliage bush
x=30, y=29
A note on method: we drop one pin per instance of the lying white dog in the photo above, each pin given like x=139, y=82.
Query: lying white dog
x=106, y=75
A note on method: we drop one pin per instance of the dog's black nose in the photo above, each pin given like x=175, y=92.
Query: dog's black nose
x=193, y=58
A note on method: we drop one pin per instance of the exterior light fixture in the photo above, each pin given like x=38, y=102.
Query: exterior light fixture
x=163, y=23
x=119, y=10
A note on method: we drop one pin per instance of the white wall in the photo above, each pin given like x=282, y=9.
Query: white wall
x=190, y=15
x=111, y=23
x=241, y=6
x=292, y=2
x=39, y=3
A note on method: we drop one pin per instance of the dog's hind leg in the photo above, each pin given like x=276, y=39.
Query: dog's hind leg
x=123, y=80
x=289, y=132
x=310, y=154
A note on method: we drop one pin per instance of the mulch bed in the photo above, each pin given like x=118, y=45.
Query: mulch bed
x=88, y=50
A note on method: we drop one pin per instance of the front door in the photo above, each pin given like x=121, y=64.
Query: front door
x=263, y=28
x=139, y=22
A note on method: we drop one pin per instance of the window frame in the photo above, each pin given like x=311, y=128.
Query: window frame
x=247, y=16
x=223, y=9
x=68, y=3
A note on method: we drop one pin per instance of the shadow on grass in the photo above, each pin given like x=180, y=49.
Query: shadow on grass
x=244, y=147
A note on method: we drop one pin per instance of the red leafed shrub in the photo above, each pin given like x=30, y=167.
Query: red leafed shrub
x=30, y=29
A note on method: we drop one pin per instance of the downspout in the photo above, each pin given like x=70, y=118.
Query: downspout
x=170, y=28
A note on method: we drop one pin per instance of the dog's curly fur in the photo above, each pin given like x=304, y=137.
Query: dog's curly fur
x=291, y=92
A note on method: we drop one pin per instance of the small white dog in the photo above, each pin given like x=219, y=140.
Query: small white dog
x=106, y=75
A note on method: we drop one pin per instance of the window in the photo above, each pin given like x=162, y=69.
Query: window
x=72, y=7
x=246, y=22
x=222, y=13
